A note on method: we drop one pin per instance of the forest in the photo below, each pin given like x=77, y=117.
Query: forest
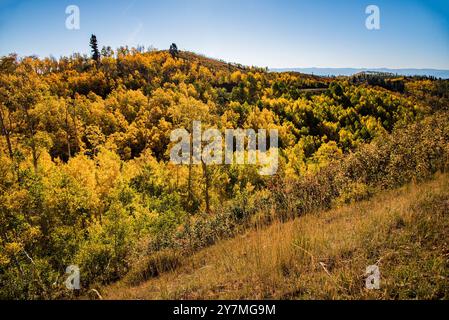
x=85, y=176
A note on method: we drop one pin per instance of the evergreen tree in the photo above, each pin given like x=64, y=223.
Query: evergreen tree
x=94, y=47
x=173, y=50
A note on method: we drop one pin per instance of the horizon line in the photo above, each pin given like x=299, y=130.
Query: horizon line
x=233, y=62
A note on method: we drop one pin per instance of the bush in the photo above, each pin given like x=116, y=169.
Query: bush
x=415, y=152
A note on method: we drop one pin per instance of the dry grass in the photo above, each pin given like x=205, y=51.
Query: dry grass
x=324, y=255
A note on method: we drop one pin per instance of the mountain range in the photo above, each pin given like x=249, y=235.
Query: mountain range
x=444, y=74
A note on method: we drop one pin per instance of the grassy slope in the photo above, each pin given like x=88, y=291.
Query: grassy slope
x=323, y=256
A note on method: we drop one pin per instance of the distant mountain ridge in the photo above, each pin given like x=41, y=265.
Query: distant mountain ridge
x=444, y=74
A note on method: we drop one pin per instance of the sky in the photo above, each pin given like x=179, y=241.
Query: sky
x=264, y=33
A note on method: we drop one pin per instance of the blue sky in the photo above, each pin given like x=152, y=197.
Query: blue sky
x=273, y=33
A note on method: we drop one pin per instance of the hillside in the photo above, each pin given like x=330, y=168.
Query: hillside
x=323, y=256
x=87, y=177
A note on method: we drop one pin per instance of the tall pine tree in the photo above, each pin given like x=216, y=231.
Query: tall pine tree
x=94, y=47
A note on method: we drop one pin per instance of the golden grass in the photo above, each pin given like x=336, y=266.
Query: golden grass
x=324, y=255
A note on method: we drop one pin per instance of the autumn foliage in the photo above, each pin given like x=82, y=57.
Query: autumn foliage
x=85, y=176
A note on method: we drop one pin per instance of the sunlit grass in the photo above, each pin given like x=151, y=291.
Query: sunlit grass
x=324, y=256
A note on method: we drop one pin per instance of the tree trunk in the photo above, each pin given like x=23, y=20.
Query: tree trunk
x=206, y=186
x=6, y=133
x=69, y=151
x=189, y=184
x=75, y=128
x=32, y=141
